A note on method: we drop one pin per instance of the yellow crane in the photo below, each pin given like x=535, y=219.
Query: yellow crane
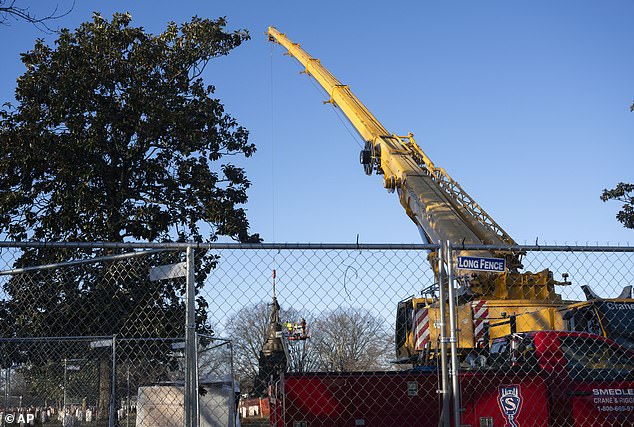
x=443, y=211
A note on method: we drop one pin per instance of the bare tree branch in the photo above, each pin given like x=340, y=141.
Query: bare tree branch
x=15, y=10
x=351, y=339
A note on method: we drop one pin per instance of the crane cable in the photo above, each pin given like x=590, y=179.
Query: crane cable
x=273, y=194
x=346, y=123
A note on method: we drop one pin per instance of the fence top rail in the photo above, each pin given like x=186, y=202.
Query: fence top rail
x=212, y=246
x=87, y=338
x=544, y=248
x=91, y=338
x=315, y=246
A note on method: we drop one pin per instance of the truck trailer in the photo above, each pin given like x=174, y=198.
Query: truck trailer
x=542, y=378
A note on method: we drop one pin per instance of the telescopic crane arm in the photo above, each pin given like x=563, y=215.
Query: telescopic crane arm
x=436, y=203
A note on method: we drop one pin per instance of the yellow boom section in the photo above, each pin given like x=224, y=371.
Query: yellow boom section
x=434, y=201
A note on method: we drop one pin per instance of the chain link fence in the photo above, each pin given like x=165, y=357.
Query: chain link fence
x=315, y=335
x=552, y=346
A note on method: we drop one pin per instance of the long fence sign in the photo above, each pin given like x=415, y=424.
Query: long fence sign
x=493, y=265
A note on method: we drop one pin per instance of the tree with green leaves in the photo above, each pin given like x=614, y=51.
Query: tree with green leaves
x=115, y=137
x=624, y=193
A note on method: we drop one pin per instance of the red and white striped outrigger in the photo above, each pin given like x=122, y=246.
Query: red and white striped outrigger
x=480, y=321
x=420, y=322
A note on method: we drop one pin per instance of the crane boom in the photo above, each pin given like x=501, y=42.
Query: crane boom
x=436, y=203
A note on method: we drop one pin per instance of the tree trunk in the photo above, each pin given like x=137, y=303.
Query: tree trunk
x=103, y=404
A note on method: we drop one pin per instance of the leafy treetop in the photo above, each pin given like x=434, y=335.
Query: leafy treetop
x=623, y=192
x=116, y=137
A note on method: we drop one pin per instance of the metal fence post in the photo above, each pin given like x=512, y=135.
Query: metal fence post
x=444, y=368
x=191, y=363
x=233, y=408
x=453, y=338
x=113, y=378
x=64, y=396
x=7, y=381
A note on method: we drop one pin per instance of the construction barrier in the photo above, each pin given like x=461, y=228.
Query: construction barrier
x=143, y=334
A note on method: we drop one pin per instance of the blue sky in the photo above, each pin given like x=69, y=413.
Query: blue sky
x=525, y=104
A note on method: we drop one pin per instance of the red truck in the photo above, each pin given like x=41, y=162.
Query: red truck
x=545, y=378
